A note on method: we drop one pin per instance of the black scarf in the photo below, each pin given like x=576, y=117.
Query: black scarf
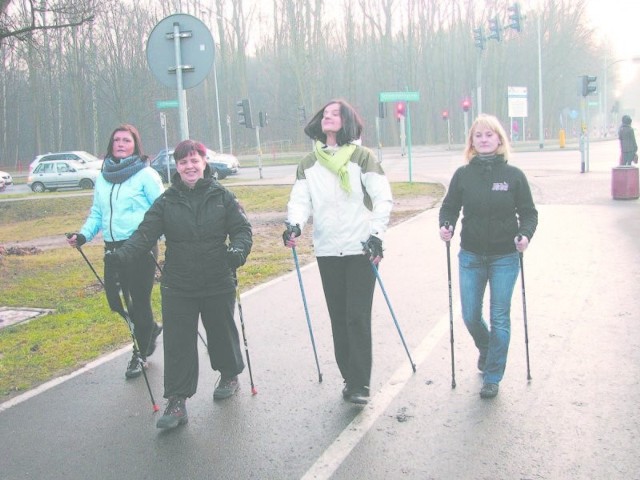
x=119, y=172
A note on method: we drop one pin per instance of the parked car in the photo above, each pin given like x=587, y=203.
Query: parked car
x=5, y=180
x=54, y=174
x=85, y=158
x=220, y=169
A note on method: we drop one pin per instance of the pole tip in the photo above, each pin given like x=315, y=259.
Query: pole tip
x=156, y=408
x=254, y=391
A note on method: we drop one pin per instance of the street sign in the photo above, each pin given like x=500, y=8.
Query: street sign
x=160, y=104
x=517, y=101
x=196, y=50
x=399, y=97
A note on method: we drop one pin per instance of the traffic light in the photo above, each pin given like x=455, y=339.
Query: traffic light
x=588, y=85
x=263, y=119
x=515, y=17
x=466, y=104
x=401, y=110
x=302, y=115
x=445, y=115
x=479, y=38
x=244, y=113
x=495, y=29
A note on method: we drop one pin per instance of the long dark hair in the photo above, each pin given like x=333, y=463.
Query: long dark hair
x=125, y=127
x=352, y=124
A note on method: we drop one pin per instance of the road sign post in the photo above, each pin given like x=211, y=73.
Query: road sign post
x=403, y=97
x=185, y=62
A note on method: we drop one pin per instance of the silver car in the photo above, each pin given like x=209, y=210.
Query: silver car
x=81, y=156
x=51, y=175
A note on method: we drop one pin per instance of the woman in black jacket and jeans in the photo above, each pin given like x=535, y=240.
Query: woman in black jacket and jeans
x=197, y=216
x=499, y=219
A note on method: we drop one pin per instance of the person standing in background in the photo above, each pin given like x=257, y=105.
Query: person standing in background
x=628, y=145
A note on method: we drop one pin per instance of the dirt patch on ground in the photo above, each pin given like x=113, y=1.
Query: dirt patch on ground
x=263, y=223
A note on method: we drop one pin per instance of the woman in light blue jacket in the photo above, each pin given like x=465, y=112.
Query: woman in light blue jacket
x=124, y=191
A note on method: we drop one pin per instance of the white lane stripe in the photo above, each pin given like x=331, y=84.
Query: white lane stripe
x=339, y=450
x=57, y=381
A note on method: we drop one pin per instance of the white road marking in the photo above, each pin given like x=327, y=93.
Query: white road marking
x=339, y=450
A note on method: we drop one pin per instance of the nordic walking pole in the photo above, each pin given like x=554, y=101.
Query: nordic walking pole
x=306, y=311
x=386, y=297
x=453, y=362
x=254, y=391
x=199, y=334
x=126, y=318
x=524, y=311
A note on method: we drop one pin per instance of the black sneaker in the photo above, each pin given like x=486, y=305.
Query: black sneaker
x=175, y=414
x=157, y=330
x=135, y=366
x=482, y=360
x=489, y=390
x=359, y=396
x=226, y=388
x=346, y=393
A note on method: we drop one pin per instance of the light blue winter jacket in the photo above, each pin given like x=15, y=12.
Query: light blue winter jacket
x=118, y=208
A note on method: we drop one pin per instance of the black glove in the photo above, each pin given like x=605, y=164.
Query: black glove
x=373, y=247
x=80, y=238
x=291, y=229
x=235, y=257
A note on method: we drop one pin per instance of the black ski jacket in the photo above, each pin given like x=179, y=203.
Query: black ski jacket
x=196, y=225
x=496, y=204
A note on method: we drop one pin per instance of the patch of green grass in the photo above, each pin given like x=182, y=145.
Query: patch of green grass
x=82, y=327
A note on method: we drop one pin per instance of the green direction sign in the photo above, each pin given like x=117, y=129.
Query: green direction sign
x=399, y=96
x=160, y=104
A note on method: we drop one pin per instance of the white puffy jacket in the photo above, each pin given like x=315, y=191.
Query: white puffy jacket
x=341, y=220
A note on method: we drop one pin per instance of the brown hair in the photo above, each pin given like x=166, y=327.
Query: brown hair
x=187, y=147
x=492, y=123
x=125, y=127
x=352, y=124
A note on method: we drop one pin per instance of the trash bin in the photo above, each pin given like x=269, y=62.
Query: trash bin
x=624, y=183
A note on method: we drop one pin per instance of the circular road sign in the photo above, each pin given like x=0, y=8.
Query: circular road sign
x=196, y=49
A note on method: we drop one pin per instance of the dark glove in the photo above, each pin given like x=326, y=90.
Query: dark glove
x=291, y=230
x=235, y=257
x=80, y=238
x=373, y=247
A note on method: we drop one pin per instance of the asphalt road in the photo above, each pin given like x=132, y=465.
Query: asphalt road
x=577, y=418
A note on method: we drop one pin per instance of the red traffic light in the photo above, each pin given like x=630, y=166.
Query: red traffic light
x=466, y=104
x=445, y=115
x=400, y=110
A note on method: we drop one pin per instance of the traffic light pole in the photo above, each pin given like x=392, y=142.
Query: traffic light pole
x=378, y=139
x=259, y=150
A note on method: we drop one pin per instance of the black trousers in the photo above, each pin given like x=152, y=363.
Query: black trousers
x=348, y=284
x=180, y=320
x=137, y=278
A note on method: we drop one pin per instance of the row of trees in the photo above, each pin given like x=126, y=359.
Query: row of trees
x=67, y=88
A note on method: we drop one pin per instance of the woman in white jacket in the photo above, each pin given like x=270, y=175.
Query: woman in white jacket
x=343, y=186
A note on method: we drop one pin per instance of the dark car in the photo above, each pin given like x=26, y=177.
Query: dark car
x=159, y=164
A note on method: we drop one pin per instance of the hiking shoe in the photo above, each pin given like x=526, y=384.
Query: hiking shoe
x=489, y=390
x=359, y=396
x=175, y=414
x=226, y=388
x=157, y=330
x=346, y=393
x=482, y=360
x=135, y=366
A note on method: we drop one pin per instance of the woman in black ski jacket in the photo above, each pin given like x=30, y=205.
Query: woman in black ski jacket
x=499, y=220
x=197, y=216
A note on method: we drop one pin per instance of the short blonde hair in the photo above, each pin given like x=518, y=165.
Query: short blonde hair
x=492, y=123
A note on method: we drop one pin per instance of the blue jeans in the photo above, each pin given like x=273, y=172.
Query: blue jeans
x=501, y=272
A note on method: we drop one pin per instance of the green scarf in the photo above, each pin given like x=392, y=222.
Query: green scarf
x=337, y=162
